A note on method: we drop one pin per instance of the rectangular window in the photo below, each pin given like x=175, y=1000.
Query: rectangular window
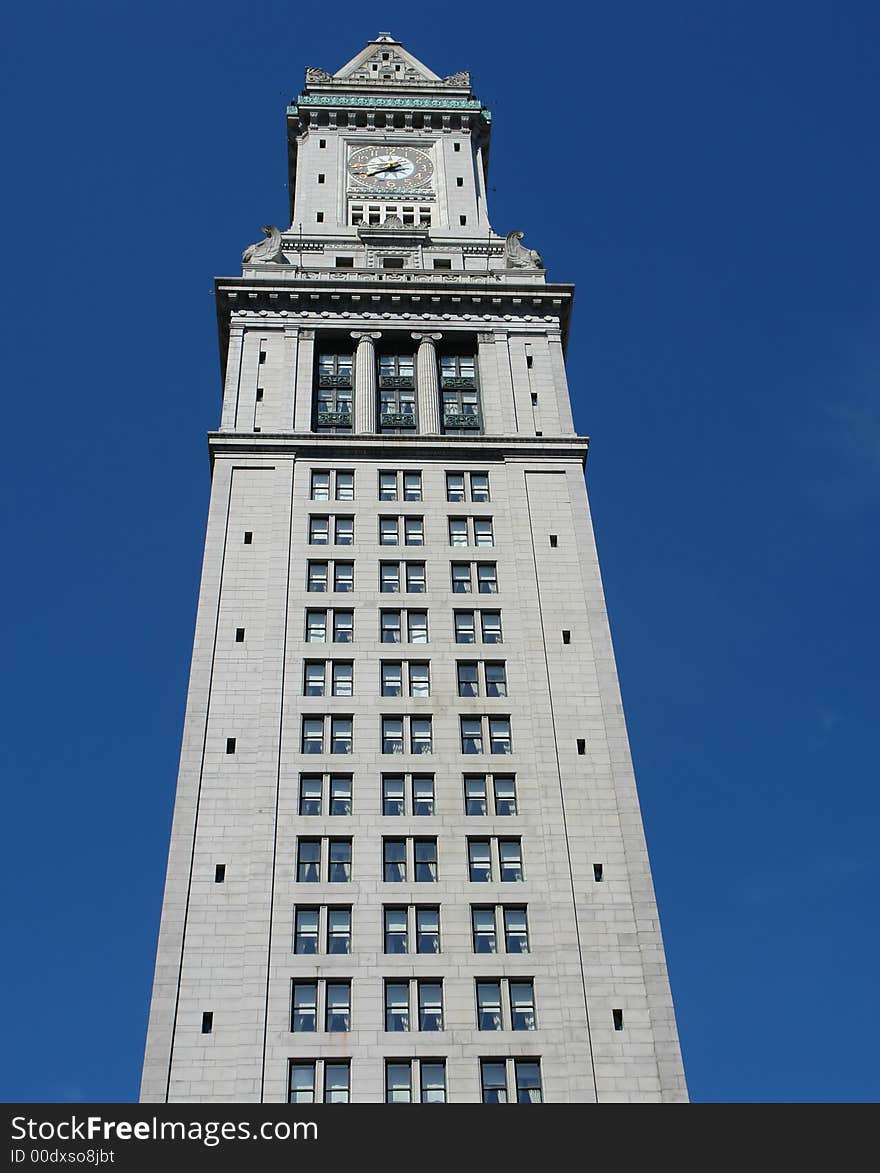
x=412, y=486
x=414, y=531
x=427, y=930
x=490, y=625
x=343, y=531
x=493, y=1079
x=390, y=627
x=338, y=1012
x=305, y=931
x=471, y=735
x=487, y=578
x=340, y=861
x=426, y=861
x=475, y=799
x=396, y=932
x=417, y=627
x=302, y=1083
x=394, y=860
x=340, y=735
x=496, y=679
x=420, y=735
x=464, y=627
x=343, y=678
x=388, y=531
x=398, y=1083
x=313, y=735
x=308, y=861
x=392, y=794
x=305, y=1007
x=313, y=678
x=343, y=627
x=479, y=483
x=468, y=680
x=340, y=794
x=483, y=531
x=504, y=787
x=319, y=531
x=392, y=678
x=479, y=861
x=499, y=735
x=510, y=857
x=415, y=578
x=522, y=1005
x=392, y=735
x=483, y=924
x=337, y=1081
x=344, y=486
x=387, y=486
x=396, y=1006
x=455, y=486
x=516, y=930
x=423, y=794
x=489, y=1005
x=317, y=580
x=419, y=679
x=389, y=577
x=461, y=578
x=316, y=627
x=430, y=997
x=458, y=531
x=528, y=1081
x=320, y=485
x=338, y=929
x=310, y=794
x=343, y=576
x=433, y=1081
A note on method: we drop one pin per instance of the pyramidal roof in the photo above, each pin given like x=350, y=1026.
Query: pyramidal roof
x=384, y=62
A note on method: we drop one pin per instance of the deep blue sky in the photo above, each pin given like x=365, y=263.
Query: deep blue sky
x=708, y=173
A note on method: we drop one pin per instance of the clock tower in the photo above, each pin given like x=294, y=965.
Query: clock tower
x=407, y=862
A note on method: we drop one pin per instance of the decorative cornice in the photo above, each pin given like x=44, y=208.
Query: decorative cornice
x=538, y=448
x=379, y=100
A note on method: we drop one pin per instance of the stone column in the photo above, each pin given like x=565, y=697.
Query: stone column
x=428, y=384
x=365, y=382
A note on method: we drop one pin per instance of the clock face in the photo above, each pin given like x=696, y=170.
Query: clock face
x=390, y=168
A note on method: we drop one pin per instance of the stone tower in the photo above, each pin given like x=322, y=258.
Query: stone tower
x=407, y=860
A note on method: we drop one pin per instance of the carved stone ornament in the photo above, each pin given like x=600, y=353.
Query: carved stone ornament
x=392, y=221
x=265, y=252
x=462, y=78
x=518, y=257
x=315, y=75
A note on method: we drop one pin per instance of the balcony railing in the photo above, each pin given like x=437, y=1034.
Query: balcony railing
x=404, y=381
x=456, y=419
x=458, y=382
x=334, y=419
x=397, y=419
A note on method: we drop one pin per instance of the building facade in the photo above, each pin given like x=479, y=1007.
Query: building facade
x=407, y=861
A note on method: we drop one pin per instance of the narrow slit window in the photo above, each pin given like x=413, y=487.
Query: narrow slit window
x=220, y=873
x=239, y=635
x=582, y=745
x=617, y=1016
x=566, y=637
x=230, y=745
x=598, y=873
x=207, y=1022
x=248, y=537
x=554, y=541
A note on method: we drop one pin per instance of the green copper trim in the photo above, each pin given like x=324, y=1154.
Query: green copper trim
x=367, y=100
